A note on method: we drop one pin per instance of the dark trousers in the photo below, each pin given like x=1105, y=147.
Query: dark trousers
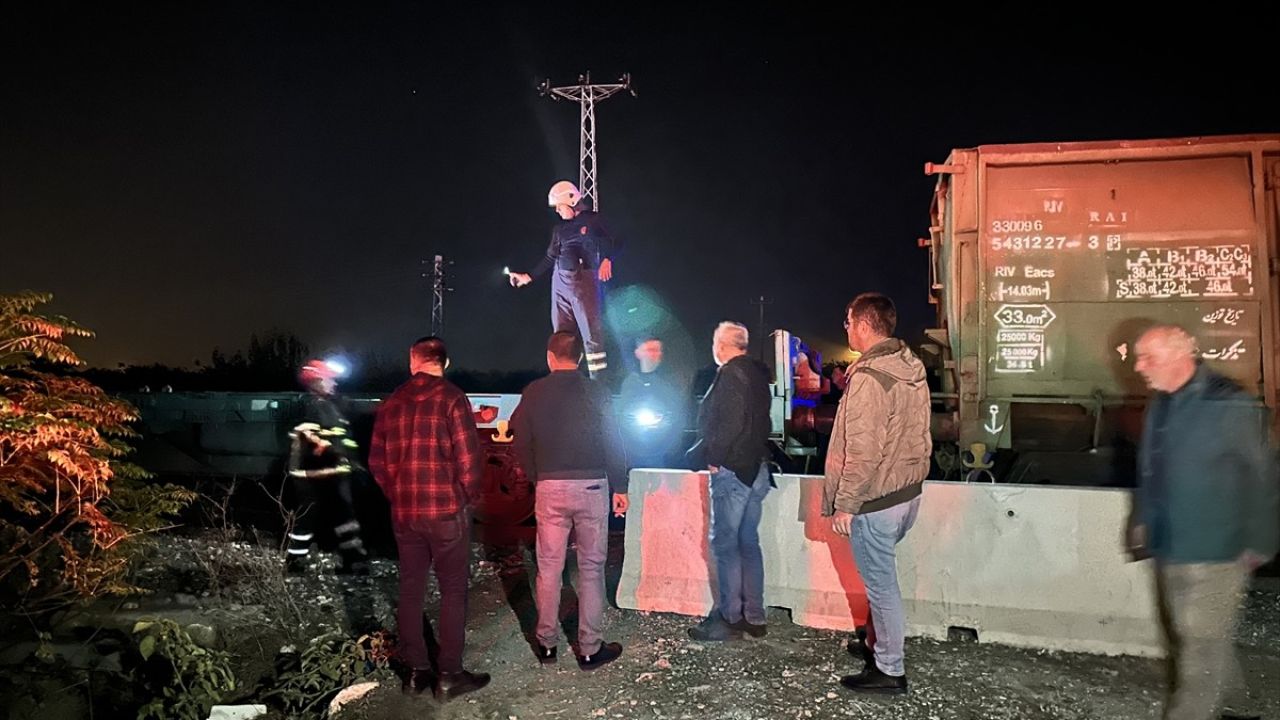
x=575, y=308
x=325, y=500
x=444, y=544
x=320, y=500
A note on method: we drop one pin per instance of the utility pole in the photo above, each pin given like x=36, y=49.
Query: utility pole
x=761, y=303
x=587, y=95
x=439, y=286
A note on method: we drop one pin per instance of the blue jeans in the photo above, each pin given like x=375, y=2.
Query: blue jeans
x=735, y=542
x=875, y=538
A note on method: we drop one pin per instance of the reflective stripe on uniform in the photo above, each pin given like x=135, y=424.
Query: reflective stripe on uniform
x=301, y=538
x=306, y=427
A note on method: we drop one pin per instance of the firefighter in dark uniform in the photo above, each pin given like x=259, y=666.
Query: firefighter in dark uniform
x=322, y=463
x=580, y=251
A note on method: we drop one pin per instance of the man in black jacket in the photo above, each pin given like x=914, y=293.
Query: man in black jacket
x=567, y=440
x=653, y=406
x=733, y=445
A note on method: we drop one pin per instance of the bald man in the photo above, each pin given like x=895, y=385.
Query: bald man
x=1205, y=509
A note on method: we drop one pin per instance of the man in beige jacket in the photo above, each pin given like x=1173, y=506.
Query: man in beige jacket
x=876, y=465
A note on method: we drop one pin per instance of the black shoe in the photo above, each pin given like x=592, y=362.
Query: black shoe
x=858, y=648
x=750, y=628
x=607, y=653
x=359, y=569
x=546, y=655
x=417, y=682
x=296, y=564
x=873, y=680
x=354, y=564
x=451, y=685
x=714, y=629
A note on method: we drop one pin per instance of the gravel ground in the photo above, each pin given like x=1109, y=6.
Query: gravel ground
x=792, y=673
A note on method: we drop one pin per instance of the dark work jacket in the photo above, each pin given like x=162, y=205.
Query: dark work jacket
x=1207, y=477
x=578, y=244
x=565, y=429
x=320, y=445
x=733, y=420
x=662, y=395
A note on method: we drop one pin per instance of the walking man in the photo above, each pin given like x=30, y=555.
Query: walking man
x=1205, y=509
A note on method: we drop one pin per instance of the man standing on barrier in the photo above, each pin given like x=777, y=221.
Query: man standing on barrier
x=581, y=252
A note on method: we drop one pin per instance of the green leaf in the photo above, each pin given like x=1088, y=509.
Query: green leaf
x=147, y=646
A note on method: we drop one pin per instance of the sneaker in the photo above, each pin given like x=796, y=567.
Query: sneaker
x=607, y=653
x=450, y=685
x=715, y=629
x=546, y=655
x=873, y=680
x=750, y=628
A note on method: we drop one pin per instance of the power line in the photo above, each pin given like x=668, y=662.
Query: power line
x=587, y=95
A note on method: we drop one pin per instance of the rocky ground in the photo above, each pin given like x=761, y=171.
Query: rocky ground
x=234, y=590
x=794, y=671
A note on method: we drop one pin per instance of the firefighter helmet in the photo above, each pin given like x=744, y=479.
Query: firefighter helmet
x=316, y=370
x=564, y=193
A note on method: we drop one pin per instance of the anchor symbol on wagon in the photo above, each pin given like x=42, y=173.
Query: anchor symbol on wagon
x=991, y=425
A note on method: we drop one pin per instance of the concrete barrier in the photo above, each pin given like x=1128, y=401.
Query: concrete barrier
x=1035, y=566
x=1029, y=565
x=668, y=566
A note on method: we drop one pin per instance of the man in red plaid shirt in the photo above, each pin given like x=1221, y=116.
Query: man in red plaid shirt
x=426, y=457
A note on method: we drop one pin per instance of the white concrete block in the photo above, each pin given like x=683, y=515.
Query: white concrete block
x=1036, y=566
x=667, y=563
x=668, y=567
x=1030, y=565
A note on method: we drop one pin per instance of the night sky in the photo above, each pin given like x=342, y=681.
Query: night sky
x=181, y=176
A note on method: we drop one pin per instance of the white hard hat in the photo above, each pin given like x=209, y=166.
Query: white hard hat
x=564, y=193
